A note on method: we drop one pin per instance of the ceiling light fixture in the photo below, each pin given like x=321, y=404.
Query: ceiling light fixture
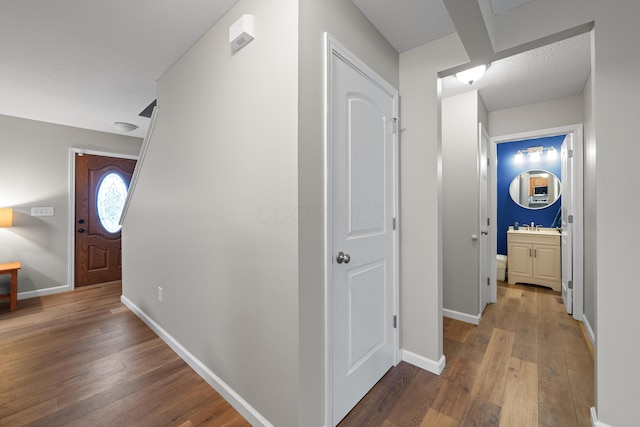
x=472, y=74
x=125, y=127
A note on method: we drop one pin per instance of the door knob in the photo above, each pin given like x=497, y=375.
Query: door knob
x=81, y=221
x=80, y=230
x=342, y=257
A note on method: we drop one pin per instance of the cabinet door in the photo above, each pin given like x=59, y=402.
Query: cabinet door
x=546, y=262
x=520, y=259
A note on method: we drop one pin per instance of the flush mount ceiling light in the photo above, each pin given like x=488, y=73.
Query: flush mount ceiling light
x=472, y=74
x=125, y=127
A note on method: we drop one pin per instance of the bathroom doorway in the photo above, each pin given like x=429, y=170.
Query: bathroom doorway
x=572, y=262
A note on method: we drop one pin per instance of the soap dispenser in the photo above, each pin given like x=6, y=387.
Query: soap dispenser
x=516, y=226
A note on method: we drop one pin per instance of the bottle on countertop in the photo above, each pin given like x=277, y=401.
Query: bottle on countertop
x=516, y=225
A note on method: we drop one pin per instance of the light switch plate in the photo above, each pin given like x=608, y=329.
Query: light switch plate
x=42, y=211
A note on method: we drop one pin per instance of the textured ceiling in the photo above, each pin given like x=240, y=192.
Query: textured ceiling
x=408, y=23
x=550, y=72
x=89, y=63
x=554, y=71
x=501, y=6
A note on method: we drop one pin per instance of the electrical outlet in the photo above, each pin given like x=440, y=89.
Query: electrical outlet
x=160, y=293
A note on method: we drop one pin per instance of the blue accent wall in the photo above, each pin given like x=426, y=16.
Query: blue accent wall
x=507, y=170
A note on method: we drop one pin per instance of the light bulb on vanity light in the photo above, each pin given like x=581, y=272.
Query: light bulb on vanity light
x=552, y=153
x=519, y=158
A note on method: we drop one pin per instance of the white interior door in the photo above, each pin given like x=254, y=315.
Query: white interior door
x=567, y=201
x=485, y=229
x=362, y=174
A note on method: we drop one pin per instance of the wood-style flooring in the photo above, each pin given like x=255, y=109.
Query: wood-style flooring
x=526, y=364
x=83, y=359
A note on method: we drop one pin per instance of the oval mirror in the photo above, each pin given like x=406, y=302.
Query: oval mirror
x=535, y=189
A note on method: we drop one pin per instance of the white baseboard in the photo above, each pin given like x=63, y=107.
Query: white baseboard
x=234, y=399
x=424, y=363
x=43, y=292
x=463, y=317
x=589, y=329
x=594, y=419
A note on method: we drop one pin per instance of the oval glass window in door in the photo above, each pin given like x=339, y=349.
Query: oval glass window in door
x=112, y=192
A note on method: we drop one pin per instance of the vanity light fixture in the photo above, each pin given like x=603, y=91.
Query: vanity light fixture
x=472, y=74
x=535, y=154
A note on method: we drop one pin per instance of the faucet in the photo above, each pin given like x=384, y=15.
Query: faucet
x=538, y=227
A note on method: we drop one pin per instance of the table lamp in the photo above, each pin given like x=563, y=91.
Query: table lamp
x=6, y=217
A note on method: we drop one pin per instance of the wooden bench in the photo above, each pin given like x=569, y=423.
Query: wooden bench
x=11, y=268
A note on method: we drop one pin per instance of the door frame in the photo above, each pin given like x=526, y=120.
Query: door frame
x=71, y=255
x=333, y=47
x=490, y=198
x=578, y=247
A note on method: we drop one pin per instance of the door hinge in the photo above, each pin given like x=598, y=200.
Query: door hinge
x=395, y=125
x=488, y=161
x=570, y=154
x=488, y=281
x=570, y=219
x=488, y=221
x=395, y=321
x=394, y=223
x=570, y=284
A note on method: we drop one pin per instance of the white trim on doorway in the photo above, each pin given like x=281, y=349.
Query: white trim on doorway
x=332, y=49
x=577, y=132
x=72, y=206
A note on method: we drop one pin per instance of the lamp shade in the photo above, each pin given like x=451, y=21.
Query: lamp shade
x=6, y=217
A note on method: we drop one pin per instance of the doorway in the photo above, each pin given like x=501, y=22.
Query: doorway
x=100, y=185
x=574, y=135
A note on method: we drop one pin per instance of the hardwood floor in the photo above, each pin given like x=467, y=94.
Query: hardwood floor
x=526, y=364
x=83, y=359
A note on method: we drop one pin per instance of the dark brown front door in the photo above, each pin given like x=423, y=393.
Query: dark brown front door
x=101, y=186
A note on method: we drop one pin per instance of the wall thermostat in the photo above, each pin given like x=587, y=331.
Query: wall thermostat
x=241, y=32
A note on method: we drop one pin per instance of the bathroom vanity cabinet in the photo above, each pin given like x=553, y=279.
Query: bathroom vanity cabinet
x=534, y=257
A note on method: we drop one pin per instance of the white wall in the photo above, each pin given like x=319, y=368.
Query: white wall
x=542, y=115
x=347, y=25
x=460, y=199
x=35, y=172
x=590, y=210
x=420, y=200
x=213, y=219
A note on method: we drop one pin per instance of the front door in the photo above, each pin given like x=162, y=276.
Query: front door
x=101, y=185
x=362, y=163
